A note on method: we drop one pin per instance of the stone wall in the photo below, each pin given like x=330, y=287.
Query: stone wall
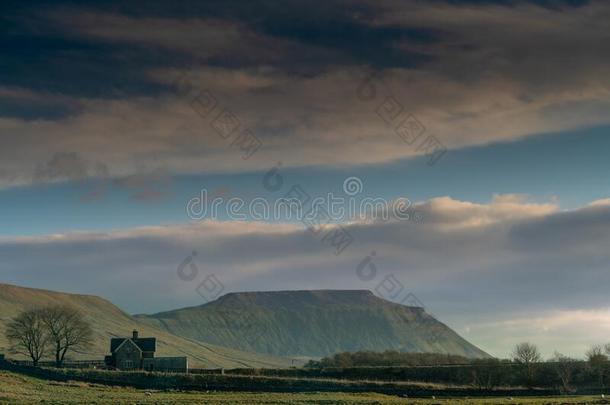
x=173, y=364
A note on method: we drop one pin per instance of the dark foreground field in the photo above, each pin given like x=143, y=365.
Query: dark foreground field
x=20, y=389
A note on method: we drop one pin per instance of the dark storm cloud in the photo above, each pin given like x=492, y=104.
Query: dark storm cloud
x=41, y=54
x=552, y=4
x=472, y=73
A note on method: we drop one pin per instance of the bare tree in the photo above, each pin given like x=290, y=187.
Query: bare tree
x=27, y=335
x=487, y=374
x=528, y=355
x=67, y=329
x=564, y=367
x=597, y=362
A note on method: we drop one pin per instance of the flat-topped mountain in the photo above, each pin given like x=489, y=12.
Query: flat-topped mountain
x=312, y=324
x=109, y=321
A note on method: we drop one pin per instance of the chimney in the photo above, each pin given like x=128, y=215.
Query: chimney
x=135, y=334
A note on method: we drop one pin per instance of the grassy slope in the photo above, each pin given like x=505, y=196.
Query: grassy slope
x=109, y=321
x=15, y=388
x=312, y=323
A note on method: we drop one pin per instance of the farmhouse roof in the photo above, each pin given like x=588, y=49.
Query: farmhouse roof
x=145, y=344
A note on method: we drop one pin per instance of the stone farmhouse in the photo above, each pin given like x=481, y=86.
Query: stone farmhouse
x=138, y=353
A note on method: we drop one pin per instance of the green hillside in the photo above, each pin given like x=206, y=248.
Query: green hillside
x=312, y=324
x=109, y=321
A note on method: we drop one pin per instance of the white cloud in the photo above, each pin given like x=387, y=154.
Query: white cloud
x=520, y=259
x=549, y=330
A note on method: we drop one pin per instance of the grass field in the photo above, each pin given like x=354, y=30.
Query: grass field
x=19, y=389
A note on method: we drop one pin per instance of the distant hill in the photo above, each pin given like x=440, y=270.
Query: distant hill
x=313, y=324
x=109, y=321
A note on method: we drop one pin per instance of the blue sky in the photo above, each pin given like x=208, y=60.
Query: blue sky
x=570, y=168
x=113, y=116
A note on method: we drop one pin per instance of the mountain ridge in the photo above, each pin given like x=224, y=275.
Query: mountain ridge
x=312, y=323
x=318, y=292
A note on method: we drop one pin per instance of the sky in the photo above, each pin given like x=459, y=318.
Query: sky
x=487, y=120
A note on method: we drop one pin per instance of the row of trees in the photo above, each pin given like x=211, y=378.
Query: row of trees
x=388, y=358
x=597, y=359
x=57, y=329
x=525, y=367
